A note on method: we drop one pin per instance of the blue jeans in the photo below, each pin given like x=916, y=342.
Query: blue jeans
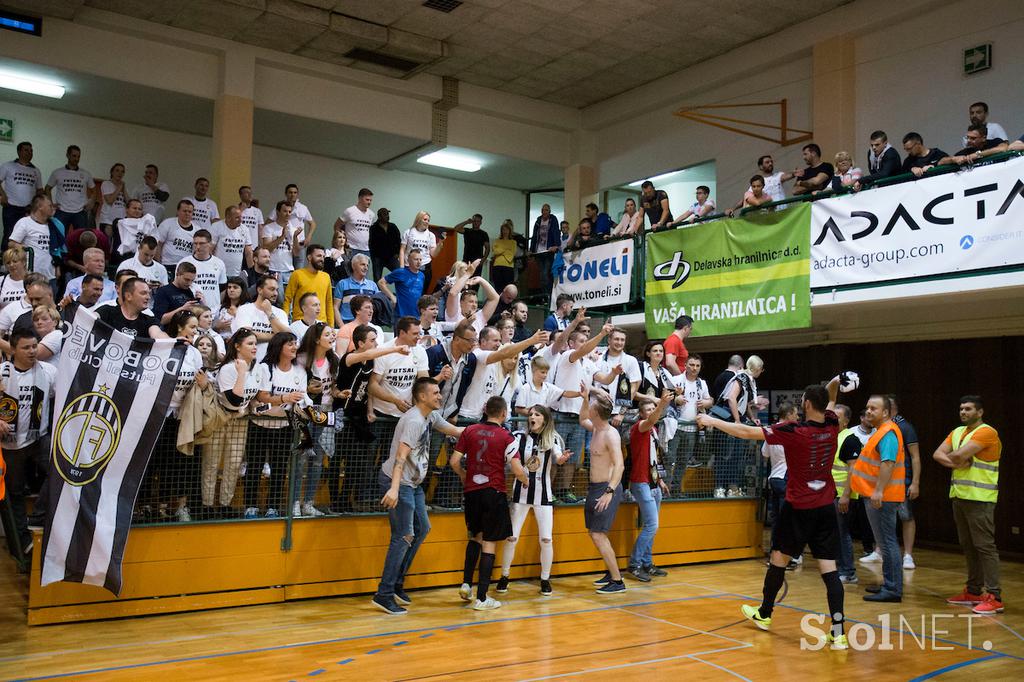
x=844, y=562
x=409, y=527
x=883, y=527
x=648, y=502
x=574, y=437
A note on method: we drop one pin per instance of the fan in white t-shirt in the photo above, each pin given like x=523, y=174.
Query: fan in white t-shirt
x=70, y=186
x=622, y=383
x=31, y=384
x=175, y=235
x=144, y=263
x=19, y=179
x=538, y=391
x=113, y=196
x=356, y=221
x=395, y=373
x=211, y=276
x=205, y=212
x=261, y=316
x=282, y=241
x=33, y=233
x=232, y=241
x=133, y=227
x=152, y=193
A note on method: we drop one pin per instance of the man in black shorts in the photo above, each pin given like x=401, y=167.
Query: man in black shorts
x=486, y=447
x=808, y=516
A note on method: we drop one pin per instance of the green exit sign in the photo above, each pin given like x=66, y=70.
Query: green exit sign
x=6, y=130
x=977, y=59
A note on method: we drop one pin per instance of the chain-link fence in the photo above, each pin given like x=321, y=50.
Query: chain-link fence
x=260, y=467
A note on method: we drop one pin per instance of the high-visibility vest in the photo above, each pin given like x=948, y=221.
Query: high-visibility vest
x=978, y=480
x=864, y=476
x=839, y=473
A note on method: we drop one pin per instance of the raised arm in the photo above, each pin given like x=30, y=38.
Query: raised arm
x=585, y=408
x=652, y=419
x=584, y=350
x=514, y=349
x=733, y=429
x=491, y=304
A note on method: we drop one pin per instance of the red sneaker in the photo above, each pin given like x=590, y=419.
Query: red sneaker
x=965, y=598
x=989, y=605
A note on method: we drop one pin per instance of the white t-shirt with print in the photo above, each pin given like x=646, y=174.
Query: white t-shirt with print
x=694, y=392
x=133, y=230
x=397, y=374
x=154, y=272
x=110, y=212
x=20, y=182
x=226, y=377
x=482, y=385
x=204, y=213
x=176, y=240
x=357, y=227
x=423, y=240
x=251, y=317
x=277, y=381
x=253, y=219
x=33, y=391
x=35, y=237
x=71, y=188
x=229, y=245
x=150, y=204
x=210, y=275
x=11, y=290
x=281, y=257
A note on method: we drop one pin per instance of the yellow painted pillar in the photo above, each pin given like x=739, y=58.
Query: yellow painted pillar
x=834, y=86
x=231, y=157
x=580, y=189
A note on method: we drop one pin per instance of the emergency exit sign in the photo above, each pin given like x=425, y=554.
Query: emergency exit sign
x=977, y=59
x=6, y=130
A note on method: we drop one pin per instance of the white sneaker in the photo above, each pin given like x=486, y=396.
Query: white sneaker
x=799, y=559
x=297, y=509
x=266, y=470
x=873, y=558
x=486, y=605
x=719, y=492
x=183, y=515
x=908, y=562
x=309, y=510
x=466, y=592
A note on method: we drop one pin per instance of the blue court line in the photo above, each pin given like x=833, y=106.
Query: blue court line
x=400, y=643
x=373, y=651
x=318, y=671
x=347, y=660
x=279, y=647
x=957, y=666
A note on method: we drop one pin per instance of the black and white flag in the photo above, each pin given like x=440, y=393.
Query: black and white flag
x=111, y=397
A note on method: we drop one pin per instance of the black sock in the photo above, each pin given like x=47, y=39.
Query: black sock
x=773, y=580
x=836, y=594
x=472, y=555
x=486, y=567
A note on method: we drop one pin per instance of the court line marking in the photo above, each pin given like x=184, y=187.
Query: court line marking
x=680, y=625
x=335, y=640
x=720, y=667
x=620, y=666
x=956, y=666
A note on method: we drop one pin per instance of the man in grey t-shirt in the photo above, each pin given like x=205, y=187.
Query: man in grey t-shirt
x=401, y=477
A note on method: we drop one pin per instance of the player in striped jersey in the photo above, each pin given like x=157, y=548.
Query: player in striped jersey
x=538, y=449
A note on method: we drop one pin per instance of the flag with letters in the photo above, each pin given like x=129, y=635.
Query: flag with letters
x=111, y=396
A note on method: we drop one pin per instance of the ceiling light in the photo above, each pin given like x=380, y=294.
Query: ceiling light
x=446, y=159
x=32, y=87
x=656, y=178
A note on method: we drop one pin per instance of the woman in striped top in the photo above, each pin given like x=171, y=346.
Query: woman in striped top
x=539, y=449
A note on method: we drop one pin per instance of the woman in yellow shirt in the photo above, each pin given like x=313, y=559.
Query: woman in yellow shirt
x=503, y=256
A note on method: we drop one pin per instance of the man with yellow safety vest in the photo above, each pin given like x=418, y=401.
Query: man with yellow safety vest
x=880, y=476
x=972, y=451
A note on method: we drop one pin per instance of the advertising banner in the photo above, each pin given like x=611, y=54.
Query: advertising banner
x=597, y=276
x=944, y=225
x=732, y=276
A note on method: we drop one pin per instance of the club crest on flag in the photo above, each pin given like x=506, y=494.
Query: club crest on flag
x=8, y=408
x=87, y=434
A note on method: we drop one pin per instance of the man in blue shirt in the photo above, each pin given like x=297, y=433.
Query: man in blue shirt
x=356, y=285
x=559, y=319
x=408, y=283
x=602, y=222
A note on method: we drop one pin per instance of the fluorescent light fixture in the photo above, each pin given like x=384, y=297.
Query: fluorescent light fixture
x=32, y=87
x=446, y=159
x=656, y=178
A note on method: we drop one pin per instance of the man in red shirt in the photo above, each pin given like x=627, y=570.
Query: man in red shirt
x=808, y=516
x=675, y=350
x=486, y=447
x=647, y=483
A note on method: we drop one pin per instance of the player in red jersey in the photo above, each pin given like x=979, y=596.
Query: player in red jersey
x=485, y=448
x=808, y=516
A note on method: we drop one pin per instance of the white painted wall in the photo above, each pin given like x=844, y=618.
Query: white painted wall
x=328, y=186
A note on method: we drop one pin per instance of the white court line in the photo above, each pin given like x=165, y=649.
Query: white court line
x=715, y=665
x=636, y=663
x=680, y=625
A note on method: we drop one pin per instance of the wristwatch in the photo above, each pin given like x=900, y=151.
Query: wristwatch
x=610, y=490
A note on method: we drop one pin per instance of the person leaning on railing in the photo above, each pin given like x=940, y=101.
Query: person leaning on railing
x=632, y=220
x=978, y=147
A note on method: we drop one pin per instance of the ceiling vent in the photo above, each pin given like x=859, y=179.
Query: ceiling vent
x=381, y=59
x=445, y=6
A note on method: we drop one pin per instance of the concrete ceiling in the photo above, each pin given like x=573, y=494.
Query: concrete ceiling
x=573, y=52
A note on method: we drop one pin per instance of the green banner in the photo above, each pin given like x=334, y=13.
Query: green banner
x=732, y=276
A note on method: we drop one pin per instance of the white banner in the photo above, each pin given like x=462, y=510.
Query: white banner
x=597, y=276
x=952, y=223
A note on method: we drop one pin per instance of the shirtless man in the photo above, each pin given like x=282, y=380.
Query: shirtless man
x=604, y=493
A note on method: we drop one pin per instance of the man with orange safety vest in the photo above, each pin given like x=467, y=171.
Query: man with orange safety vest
x=880, y=477
x=972, y=451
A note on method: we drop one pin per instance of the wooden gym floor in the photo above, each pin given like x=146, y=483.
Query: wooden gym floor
x=687, y=624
